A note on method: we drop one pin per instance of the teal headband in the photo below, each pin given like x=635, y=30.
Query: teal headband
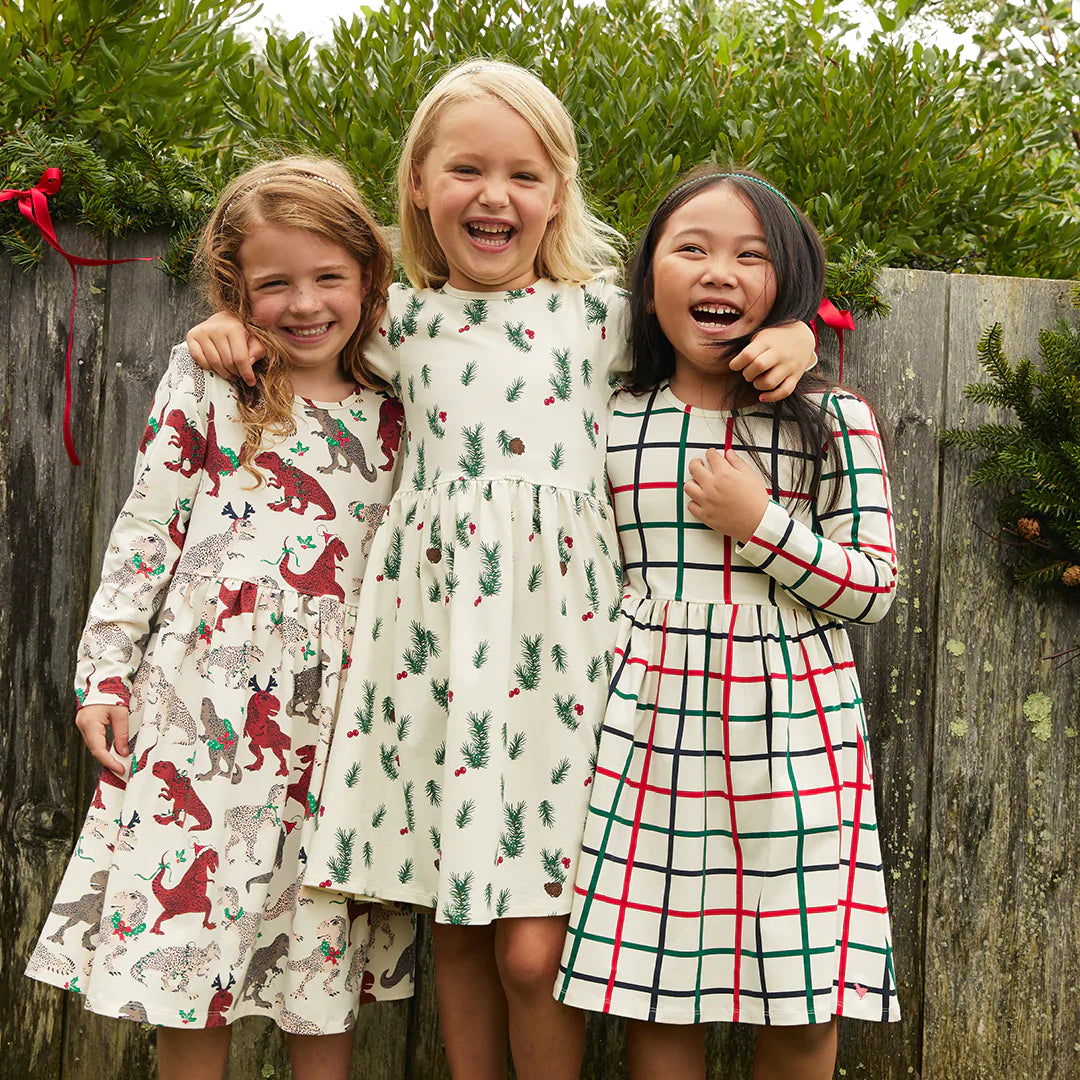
x=733, y=176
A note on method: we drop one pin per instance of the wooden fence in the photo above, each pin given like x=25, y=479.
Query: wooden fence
x=978, y=800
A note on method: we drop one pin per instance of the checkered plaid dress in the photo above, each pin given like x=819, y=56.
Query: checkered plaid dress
x=731, y=867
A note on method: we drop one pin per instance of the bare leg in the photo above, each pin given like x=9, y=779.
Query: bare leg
x=661, y=1051
x=186, y=1052
x=805, y=1052
x=472, y=1005
x=547, y=1039
x=320, y=1057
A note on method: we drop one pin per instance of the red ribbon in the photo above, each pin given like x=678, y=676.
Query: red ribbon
x=840, y=321
x=34, y=207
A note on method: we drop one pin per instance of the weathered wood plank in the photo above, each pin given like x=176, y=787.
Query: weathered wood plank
x=1003, y=928
x=43, y=585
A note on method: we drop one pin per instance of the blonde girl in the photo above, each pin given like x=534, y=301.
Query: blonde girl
x=461, y=767
x=216, y=649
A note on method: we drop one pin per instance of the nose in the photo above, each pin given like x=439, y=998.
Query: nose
x=494, y=192
x=305, y=299
x=718, y=270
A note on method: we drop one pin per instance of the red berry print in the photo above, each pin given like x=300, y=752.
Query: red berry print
x=404, y=832
x=603, y=332
x=420, y=527
x=450, y=695
x=579, y=709
x=382, y=331
x=472, y=527
x=399, y=601
x=530, y=334
x=378, y=577
x=530, y=290
x=570, y=541
x=596, y=428
x=531, y=535
x=442, y=416
x=588, y=781
x=326, y=884
x=352, y=734
x=566, y=862
x=476, y=602
x=498, y=861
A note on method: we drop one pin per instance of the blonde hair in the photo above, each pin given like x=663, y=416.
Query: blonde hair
x=576, y=246
x=318, y=196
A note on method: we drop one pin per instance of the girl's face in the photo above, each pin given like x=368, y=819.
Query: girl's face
x=490, y=190
x=713, y=281
x=305, y=290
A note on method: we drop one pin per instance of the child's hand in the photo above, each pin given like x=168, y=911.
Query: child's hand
x=727, y=494
x=775, y=359
x=92, y=721
x=221, y=344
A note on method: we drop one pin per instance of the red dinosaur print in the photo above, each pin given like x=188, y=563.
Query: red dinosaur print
x=299, y=788
x=152, y=428
x=220, y=1002
x=320, y=579
x=236, y=601
x=117, y=687
x=179, y=792
x=391, y=423
x=109, y=779
x=261, y=731
x=201, y=451
x=295, y=484
x=190, y=895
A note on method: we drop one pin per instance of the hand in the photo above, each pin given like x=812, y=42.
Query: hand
x=727, y=494
x=776, y=358
x=92, y=721
x=221, y=344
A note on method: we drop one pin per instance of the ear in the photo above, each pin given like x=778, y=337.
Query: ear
x=416, y=188
x=556, y=202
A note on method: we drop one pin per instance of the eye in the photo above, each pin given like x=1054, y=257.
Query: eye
x=762, y=255
x=277, y=283
x=330, y=277
x=464, y=170
x=529, y=177
x=691, y=249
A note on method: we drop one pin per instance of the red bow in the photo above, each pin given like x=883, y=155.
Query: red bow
x=840, y=321
x=34, y=207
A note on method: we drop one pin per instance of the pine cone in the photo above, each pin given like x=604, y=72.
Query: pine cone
x=517, y=446
x=1071, y=576
x=553, y=888
x=434, y=554
x=1028, y=528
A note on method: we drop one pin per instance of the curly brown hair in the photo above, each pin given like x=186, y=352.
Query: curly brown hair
x=319, y=196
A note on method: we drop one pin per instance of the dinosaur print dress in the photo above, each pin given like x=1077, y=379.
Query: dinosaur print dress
x=225, y=618
x=459, y=774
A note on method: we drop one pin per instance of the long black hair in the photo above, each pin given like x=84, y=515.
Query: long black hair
x=798, y=260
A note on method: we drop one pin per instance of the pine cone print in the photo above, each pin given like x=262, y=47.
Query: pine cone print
x=1071, y=576
x=562, y=569
x=517, y=446
x=553, y=888
x=1028, y=528
x=434, y=555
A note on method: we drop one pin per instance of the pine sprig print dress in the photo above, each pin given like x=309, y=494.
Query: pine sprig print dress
x=225, y=618
x=731, y=867
x=459, y=775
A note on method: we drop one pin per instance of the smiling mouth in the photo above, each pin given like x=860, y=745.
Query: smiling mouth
x=715, y=316
x=489, y=234
x=308, y=331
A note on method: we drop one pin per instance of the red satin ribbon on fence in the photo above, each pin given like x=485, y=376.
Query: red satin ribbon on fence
x=840, y=321
x=33, y=206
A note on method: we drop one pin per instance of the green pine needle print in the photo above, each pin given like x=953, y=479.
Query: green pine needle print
x=479, y=657
x=452, y=582
x=560, y=379
x=471, y=461
x=463, y=529
x=425, y=647
x=502, y=905
x=434, y=593
x=368, y=852
x=594, y=669
x=554, y=302
x=456, y=908
x=515, y=390
x=557, y=457
x=340, y=866
x=595, y=310
x=516, y=745
x=420, y=473
x=476, y=750
x=490, y=580
x=352, y=774
x=395, y=335
x=403, y=728
x=512, y=841
x=388, y=714
x=410, y=814
x=433, y=792
x=463, y=817
x=591, y=587
x=440, y=691
x=591, y=426
x=409, y=319
x=366, y=713
x=546, y=813
x=392, y=563
x=434, y=421
x=536, y=577
x=475, y=312
x=553, y=866
x=412, y=389
x=435, y=837
x=516, y=334
x=406, y=872
x=387, y=758
x=379, y=816
x=613, y=609
x=425, y=376
x=558, y=657
x=560, y=772
x=468, y=373
x=433, y=326
x=527, y=672
x=586, y=372
x=439, y=756
x=564, y=548
x=487, y=895
x=376, y=628
x=566, y=712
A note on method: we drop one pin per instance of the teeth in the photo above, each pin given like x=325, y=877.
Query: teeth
x=478, y=227
x=310, y=331
x=715, y=309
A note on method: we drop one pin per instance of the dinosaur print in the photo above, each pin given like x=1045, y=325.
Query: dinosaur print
x=186, y=803
x=190, y=895
x=391, y=425
x=320, y=580
x=296, y=486
x=346, y=450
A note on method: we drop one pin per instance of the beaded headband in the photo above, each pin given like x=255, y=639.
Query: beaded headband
x=271, y=179
x=732, y=176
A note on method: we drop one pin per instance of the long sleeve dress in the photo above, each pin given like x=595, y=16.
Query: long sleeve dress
x=225, y=619
x=459, y=774
x=731, y=867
